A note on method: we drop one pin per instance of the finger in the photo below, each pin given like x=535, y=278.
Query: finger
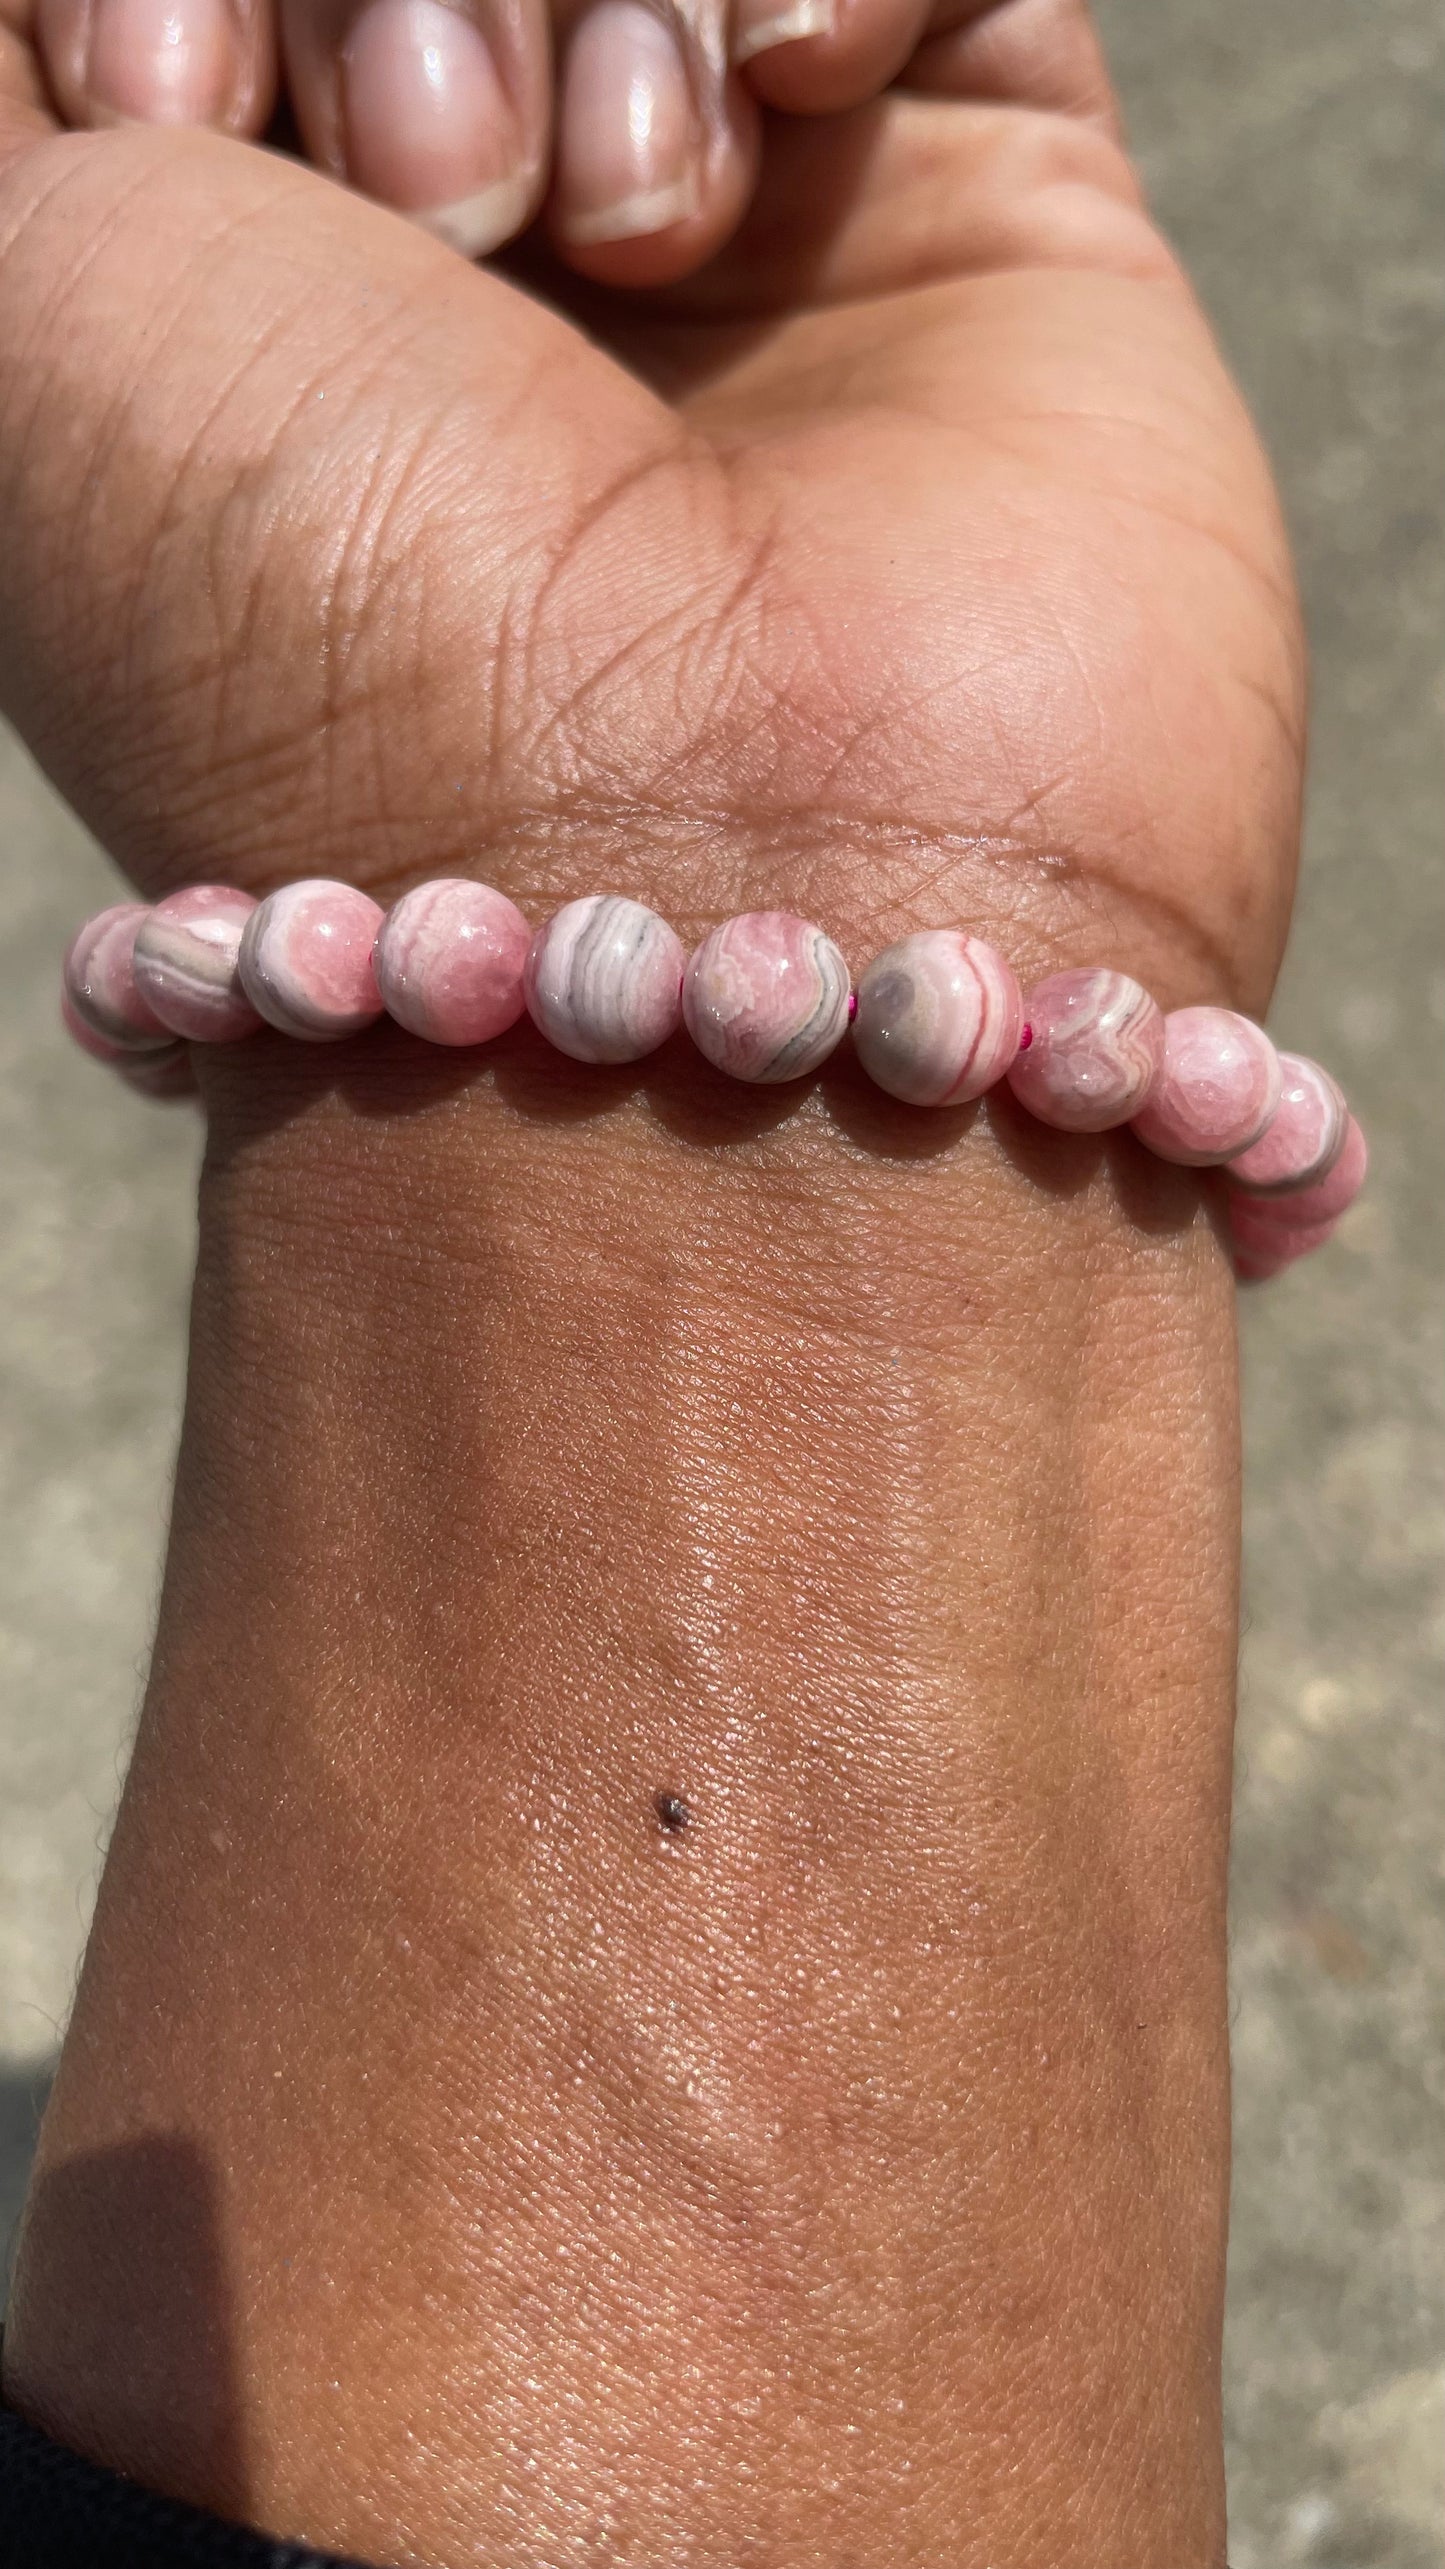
x=160, y=62
x=816, y=56
x=1028, y=53
x=442, y=111
x=27, y=106
x=906, y=193
x=657, y=141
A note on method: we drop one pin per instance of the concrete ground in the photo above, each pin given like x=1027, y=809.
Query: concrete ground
x=1294, y=150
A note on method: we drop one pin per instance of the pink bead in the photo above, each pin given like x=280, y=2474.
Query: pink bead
x=938, y=1018
x=306, y=960
x=100, y=983
x=1096, y=1043
x=166, y=1076
x=1269, y=1232
x=186, y=953
x=97, y=1046
x=163, y=1070
x=1255, y=1270
x=449, y=962
x=1304, y=1207
x=1303, y=1138
x=1219, y=1084
x=603, y=979
x=1256, y=1233
x=766, y=996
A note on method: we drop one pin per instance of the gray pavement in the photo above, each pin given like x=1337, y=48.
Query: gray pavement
x=1295, y=153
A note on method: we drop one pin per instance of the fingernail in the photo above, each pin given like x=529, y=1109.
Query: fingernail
x=628, y=138
x=162, y=62
x=761, y=25
x=428, y=125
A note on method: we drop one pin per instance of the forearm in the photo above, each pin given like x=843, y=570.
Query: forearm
x=838, y=2175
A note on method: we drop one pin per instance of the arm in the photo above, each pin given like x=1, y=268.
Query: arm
x=450, y=2158
x=839, y=2175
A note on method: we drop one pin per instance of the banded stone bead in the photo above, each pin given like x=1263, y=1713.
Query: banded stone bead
x=305, y=960
x=449, y=962
x=1304, y=1136
x=1303, y=1208
x=1219, y=1084
x=187, y=956
x=1094, y=1043
x=1267, y=1244
x=167, y=1076
x=162, y=1070
x=100, y=986
x=1254, y=1267
x=603, y=979
x=97, y=1047
x=1331, y=1195
x=1268, y=1232
x=938, y=1019
x=766, y=997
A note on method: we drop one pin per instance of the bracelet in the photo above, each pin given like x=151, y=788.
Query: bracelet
x=936, y=1020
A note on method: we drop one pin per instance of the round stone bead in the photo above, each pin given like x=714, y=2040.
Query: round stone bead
x=1251, y=1268
x=1095, y=1044
x=1258, y=1237
x=163, y=1070
x=100, y=984
x=449, y=962
x=167, y=1075
x=1219, y=1084
x=766, y=996
x=938, y=1018
x=1304, y=1136
x=603, y=979
x=1303, y=1208
x=97, y=1046
x=186, y=956
x=306, y=960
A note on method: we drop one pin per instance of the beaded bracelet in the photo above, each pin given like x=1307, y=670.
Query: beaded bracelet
x=936, y=1020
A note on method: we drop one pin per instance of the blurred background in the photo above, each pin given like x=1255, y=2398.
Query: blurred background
x=1295, y=153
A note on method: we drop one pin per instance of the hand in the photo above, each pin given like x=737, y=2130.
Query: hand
x=914, y=563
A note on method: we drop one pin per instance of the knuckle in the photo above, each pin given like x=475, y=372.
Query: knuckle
x=1034, y=150
x=1075, y=197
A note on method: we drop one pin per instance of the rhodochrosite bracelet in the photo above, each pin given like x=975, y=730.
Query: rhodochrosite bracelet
x=936, y=1020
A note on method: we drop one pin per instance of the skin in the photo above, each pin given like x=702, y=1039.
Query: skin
x=364, y=80
x=450, y=2160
